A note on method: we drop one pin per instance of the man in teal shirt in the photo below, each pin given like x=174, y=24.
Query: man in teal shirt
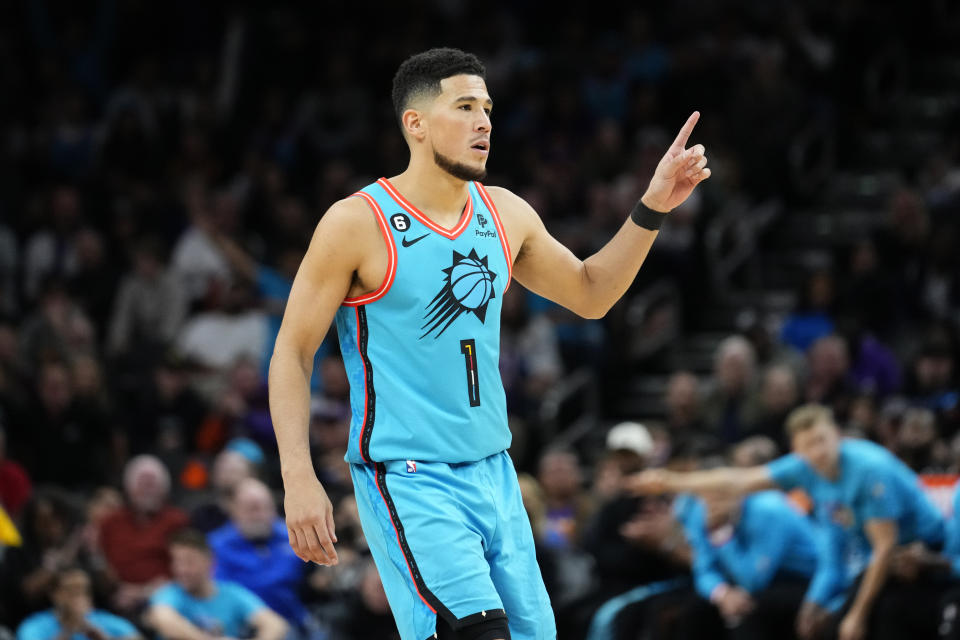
x=73, y=616
x=196, y=607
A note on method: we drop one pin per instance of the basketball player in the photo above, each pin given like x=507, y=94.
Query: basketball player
x=413, y=270
x=866, y=500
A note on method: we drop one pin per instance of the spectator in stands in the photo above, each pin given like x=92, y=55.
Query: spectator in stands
x=684, y=406
x=196, y=260
x=813, y=319
x=53, y=539
x=779, y=395
x=73, y=616
x=366, y=613
x=51, y=250
x=230, y=468
x=93, y=283
x=529, y=354
x=135, y=538
x=67, y=442
x=253, y=550
x=629, y=445
x=15, y=486
x=229, y=328
x=568, y=506
x=732, y=404
x=828, y=368
x=56, y=330
x=917, y=444
x=933, y=384
x=163, y=409
x=195, y=605
x=150, y=305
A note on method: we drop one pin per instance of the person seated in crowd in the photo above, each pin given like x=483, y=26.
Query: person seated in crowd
x=868, y=502
x=568, y=505
x=230, y=467
x=753, y=558
x=253, y=550
x=195, y=606
x=52, y=530
x=732, y=403
x=134, y=538
x=73, y=616
x=366, y=612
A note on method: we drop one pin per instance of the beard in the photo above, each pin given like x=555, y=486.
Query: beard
x=457, y=169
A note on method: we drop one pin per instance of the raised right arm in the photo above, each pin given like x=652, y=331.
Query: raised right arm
x=325, y=277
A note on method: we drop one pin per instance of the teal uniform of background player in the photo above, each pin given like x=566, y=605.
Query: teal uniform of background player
x=872, y=484
x=437, y=493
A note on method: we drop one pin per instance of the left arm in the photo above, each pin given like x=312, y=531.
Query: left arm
x=268, y=625
x=590, y=287
x=883, y=538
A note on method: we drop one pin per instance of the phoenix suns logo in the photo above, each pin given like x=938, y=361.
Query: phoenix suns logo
x=467, y=288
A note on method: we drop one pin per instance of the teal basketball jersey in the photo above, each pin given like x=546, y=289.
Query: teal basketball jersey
x=422, y=352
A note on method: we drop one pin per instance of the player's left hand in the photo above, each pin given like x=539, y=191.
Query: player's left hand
x=679, y=171
x=852, y=627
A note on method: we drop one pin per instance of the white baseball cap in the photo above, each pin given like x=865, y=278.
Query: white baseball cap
x=631, y=436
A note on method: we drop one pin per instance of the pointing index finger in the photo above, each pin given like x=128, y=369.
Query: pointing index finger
x=686, y=130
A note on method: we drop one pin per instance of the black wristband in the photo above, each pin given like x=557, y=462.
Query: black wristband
x=646, y=218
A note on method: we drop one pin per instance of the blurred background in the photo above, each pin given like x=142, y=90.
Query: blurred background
x=163, y=165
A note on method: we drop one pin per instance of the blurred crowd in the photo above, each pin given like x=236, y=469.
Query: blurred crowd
x=163, y=167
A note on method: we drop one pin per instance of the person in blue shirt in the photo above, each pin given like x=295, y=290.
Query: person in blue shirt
x=752, y=558
x=867, y=500
x=73, y=616
x=196, y=607
x=253, y=550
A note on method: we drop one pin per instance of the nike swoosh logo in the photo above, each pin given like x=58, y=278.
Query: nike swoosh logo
x=406, y=243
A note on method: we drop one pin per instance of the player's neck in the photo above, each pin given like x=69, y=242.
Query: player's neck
x=436, y=193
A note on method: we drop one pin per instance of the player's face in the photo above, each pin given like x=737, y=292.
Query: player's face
x=819, y=446
x=460, y=127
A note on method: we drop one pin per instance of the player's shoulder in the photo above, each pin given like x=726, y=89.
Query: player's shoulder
x=348, y=223
x=348, y=211
x=509, y=205
x=502, y=196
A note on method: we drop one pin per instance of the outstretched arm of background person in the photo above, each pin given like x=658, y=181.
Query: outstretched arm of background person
x=321, y=284
x=882, y=534
x=728, y=480
x=590, y=287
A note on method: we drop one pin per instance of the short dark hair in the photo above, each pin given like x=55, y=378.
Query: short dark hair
x=421, y=73
x=190, y=538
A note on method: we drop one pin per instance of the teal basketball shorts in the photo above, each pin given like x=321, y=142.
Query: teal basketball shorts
x=453, y=540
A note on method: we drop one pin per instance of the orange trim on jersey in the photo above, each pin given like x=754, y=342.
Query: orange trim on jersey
x=376, y=472
x=391, y=257
x=422, y=217
x=487, y=200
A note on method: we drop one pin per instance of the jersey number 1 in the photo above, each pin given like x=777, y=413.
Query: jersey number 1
x=469, y=350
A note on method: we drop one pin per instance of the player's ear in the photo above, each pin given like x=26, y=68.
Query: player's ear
x=414, y=124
